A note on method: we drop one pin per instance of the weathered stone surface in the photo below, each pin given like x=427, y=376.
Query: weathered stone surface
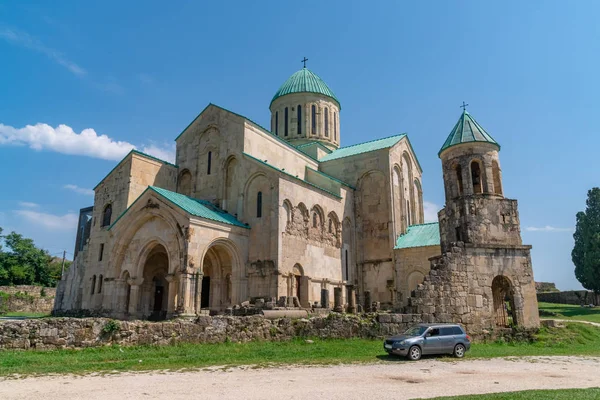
x=26, y=298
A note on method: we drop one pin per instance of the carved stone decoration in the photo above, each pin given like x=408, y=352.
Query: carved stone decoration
x=151, y=204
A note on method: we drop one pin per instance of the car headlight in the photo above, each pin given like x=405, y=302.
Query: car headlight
x=402, y=343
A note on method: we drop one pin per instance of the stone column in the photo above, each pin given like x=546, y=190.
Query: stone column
x=351, y=299
x=325, y=298
x=172, y=294
x=337, y=299
x=198, y=292
x=134, y=297
x=368, y=304
x=185, y=304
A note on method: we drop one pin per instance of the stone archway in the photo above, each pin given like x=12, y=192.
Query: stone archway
x=219, y=271
x=504, y=302
x=155, y=288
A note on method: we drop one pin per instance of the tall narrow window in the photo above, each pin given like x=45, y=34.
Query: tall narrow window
x=106, y=215
x=314, y=220
x=209, y=163
x=299, y=119
x=101, y=252
x=277, y=123
x=459, y=180
x=334, y=126
x=259, y=205
x=93, y=284
x=326, y=122
x=346, y=259
x=285, y=130
x=100, y=279
x=476, y=177
x=408, y=212
x=314, y=119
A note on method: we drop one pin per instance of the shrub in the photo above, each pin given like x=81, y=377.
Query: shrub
x=43, y=292
x=111, y=327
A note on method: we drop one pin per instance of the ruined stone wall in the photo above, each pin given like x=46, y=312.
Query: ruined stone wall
x=459, y=287
x=25, y=298
x=578, y=297
x=412, y=266
x=58, y=333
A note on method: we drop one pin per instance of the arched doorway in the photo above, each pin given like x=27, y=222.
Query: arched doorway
x=155, y=289
x=504, y=304
x=217, y=282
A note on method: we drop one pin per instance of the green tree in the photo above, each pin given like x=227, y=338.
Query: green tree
x=22, y=263
x=586, y=252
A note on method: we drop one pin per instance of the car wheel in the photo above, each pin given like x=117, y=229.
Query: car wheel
x=459, y=350
x=414, y=353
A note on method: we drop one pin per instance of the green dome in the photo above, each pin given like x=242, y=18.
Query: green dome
x=305, y=81
x=467, y=130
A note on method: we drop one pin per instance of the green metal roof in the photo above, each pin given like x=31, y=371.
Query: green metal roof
x=366, y=147
x=420, y=236
x=467, y=130
x=195, y=207
x=305, y=81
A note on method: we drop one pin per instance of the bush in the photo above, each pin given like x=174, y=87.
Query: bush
x=43, y=292
x=111, y=327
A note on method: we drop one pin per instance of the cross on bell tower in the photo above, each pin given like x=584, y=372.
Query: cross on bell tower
x=304, y=61
x=464, y=106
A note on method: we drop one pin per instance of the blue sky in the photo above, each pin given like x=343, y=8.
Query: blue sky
x=139, y=72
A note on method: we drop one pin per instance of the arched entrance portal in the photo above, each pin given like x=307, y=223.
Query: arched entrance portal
x=155, y=289
x=217, y=282
x=504, y=303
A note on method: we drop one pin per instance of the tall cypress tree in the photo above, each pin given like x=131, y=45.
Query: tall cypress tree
x=586, y=253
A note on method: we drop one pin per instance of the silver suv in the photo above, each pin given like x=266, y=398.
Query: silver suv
x=426, y=339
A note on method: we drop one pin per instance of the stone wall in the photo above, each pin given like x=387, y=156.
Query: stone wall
x=27, y=299
x=58, y=333
x=570, y=297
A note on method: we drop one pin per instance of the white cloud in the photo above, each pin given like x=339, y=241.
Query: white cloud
x=28, y=204
x=430, y=211
x=65, y=222
x=80, y=190
x=548, y=228
x=63, y=139
x=165, y=152
x=25, y=40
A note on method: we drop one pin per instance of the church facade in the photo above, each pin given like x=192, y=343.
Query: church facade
x=284, y=215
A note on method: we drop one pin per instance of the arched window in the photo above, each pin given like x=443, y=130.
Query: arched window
x=184, y=186
x=326, y=122
x=314, y=119
x=314, y=220
x=330, y=226
x=259, y=205
x=346, y=261
x=408, y=212
x=93, y=283
x=497, y=179
x=277, y=123
x=209, y=163
x=299, y=119
x=285, y=130
x=100, y=279
x=106, y=215
x=476, y=177
x=459, y=180
x=334, y=126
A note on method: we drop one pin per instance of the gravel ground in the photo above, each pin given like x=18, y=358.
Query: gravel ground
x=384, y=380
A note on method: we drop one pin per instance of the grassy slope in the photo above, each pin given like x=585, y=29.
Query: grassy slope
x=568, y=311
x=563, y=394
x=576, y=339
x=26, y=314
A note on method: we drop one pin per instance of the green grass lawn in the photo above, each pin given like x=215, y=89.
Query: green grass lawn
x=568, y=311
x=575, y=339
x=562, y=394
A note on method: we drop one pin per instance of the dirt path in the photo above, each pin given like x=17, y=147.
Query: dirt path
x=385, y=380
x=577, y=320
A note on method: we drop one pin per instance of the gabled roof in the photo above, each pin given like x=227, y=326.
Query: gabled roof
x=467, y=130
x=420, y=236
x=365, y=147
x=305, y=81
x=314, y=143
x=139, y=153
x=198, y=208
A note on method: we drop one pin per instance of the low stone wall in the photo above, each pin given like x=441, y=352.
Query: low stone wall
x=577, y=297
x=57, y=333
x=27, y=299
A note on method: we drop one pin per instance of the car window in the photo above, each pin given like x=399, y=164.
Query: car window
x=415, y=331
x=434, y=332
x=457, y=330
x=449, y=331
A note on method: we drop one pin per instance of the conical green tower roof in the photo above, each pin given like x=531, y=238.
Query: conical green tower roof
x=467, y=130
x=305, y=81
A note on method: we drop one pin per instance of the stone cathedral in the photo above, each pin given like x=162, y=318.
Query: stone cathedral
x=285, y=217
